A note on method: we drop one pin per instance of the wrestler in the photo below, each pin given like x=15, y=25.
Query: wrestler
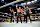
x=19, y=13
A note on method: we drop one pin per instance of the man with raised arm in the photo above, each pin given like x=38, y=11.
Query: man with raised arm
x=19, y=13
x=12, y=14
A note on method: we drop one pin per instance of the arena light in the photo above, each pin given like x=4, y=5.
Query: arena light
x=28, y=2
x=24, y=3
x=32, y=1
x=2, y=0
x=35, y=0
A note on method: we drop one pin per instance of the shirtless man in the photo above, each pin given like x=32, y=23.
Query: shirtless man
x=19, y=13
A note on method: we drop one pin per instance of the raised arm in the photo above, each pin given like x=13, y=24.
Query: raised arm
x=16, y=6
x=10, y=9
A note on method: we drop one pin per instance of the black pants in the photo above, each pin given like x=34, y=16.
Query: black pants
x=11, y=18
x=25, y=17
x=28, y=15
x=20, y=19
